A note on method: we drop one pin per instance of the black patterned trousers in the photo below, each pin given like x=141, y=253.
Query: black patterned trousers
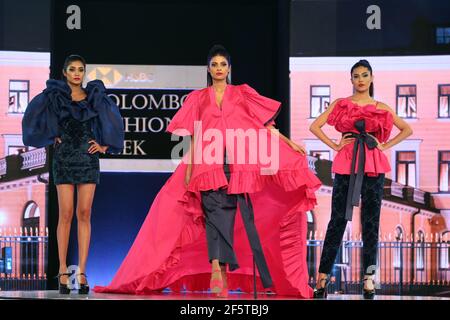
x=371, y=196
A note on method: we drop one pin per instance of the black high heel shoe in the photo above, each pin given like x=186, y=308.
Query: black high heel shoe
x=83, y=287
x=369, y=294
x=322, y=293
x=63, y=287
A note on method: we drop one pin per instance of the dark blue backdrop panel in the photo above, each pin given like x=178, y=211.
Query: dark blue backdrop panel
x=148, y=33
x=121, y=203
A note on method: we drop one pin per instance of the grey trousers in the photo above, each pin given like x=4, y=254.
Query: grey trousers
x=220, y=211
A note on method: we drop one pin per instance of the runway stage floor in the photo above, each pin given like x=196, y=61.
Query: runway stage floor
x=54, y=295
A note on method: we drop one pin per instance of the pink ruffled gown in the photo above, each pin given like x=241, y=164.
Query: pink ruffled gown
x=170, y=250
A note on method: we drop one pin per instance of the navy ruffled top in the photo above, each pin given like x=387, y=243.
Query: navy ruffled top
x=45, y=112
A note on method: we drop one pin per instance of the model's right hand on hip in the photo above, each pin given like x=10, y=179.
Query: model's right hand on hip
x=57, y=141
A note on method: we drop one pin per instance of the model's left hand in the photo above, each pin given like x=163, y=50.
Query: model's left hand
x=297, y=148
x=95, y=147
x=380, y=146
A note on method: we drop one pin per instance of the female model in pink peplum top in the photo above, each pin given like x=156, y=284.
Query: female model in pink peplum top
x=359, y=167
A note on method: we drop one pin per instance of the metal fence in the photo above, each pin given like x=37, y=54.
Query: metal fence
x=23, y=259
x=404, y=268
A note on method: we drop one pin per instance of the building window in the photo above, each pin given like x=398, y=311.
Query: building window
x=406, y=101
x=398, y=248
x=320, y=154
x=420, y=251
x=444, y=255
x=444, y=172
x=444, y=99
x=320, y=100
x=406, y=168
x=19, y=93
x=443, y=35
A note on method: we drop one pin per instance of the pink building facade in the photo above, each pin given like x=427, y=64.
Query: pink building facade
x=22, y=195
x=417, y=88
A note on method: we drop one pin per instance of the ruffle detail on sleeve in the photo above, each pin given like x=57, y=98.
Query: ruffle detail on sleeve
x=385, y=125
x=108, y=127
x=262, y=108
x=337, y=113
x=59, y=95
x=182, y=124
x=40, y=123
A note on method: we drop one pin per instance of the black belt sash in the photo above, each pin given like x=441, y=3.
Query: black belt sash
x=354, y=189
x=252, y=234
x=248, y=218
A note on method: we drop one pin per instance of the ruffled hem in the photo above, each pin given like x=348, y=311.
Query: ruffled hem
x=144, y=285
x=254, y=181
x=292, y=237
x=376, y=162
x=192, y=206
x=209, y=180
x=292, y=251
x=179, y=271
x=241, y=283
x=293, y=231
x=370, y=173
x=158, y=279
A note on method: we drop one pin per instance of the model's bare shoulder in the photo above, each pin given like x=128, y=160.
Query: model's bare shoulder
x=384, y=106
x=333, y=104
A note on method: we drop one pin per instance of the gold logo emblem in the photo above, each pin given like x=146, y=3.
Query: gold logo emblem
x=108, y=75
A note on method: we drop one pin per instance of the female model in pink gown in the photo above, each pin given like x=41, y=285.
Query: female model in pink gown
x=172, y=247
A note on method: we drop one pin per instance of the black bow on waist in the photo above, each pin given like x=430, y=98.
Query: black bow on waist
x=354, y=189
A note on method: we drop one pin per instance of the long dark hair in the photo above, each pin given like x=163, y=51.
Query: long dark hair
x=364, y=63
x=71, y=58
x=217, y=50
